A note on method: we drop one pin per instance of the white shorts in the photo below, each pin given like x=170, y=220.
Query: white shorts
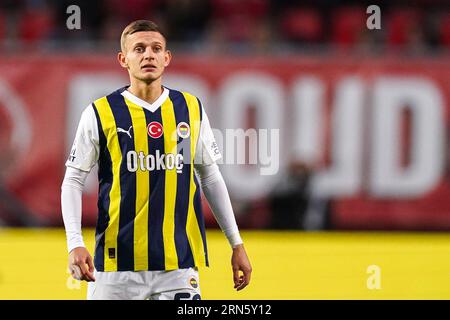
x=181, y=284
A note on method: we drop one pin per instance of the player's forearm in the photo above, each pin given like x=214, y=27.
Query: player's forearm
x=71, y=204
x=216, y=193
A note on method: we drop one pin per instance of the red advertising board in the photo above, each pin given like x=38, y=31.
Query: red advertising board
x=375, y=131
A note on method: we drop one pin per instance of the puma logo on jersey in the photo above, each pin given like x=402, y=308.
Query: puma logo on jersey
x=125, y=131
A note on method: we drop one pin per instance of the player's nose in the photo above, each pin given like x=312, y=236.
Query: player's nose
x=149, y=54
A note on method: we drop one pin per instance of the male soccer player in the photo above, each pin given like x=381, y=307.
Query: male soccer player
x=147, y=140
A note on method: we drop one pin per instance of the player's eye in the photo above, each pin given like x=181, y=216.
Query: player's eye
x=157, y=48
x=139, y=49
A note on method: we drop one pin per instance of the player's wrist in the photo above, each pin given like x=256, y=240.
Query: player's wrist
x=235, y=240
x=73, y=246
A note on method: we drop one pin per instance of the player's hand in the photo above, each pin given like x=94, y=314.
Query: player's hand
x=240, y=263
x=81, y=265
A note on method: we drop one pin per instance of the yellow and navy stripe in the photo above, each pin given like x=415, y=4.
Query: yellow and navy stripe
x=148, y=220
x=188, y=236
x=157, y=181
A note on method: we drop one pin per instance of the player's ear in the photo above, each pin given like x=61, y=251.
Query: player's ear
x=167, y=58
x=122, y=59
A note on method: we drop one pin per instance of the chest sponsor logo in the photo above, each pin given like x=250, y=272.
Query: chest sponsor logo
x=160, y=161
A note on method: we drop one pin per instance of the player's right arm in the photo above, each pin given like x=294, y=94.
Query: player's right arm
x=82, y=158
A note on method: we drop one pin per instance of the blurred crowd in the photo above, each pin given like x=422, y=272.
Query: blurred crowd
x=238, y=25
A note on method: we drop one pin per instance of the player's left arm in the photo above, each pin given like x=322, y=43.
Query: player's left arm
x=216, y=193
x=240, y=262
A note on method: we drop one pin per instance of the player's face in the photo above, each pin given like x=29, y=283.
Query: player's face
x=145, y=55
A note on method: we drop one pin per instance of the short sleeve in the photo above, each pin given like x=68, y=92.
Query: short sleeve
x=85, y=149
x=207, y=149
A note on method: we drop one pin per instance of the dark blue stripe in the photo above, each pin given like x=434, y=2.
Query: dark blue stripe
x=105, y=177
x=184, y=252
x=156, y=260
x=200, y=107
x=198, y=201
x=125, y=239
x=200, y=218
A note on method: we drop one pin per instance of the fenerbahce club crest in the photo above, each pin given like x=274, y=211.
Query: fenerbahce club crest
x=183, y=130
x=193, y=282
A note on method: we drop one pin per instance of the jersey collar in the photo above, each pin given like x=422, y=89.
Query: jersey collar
x=144, y=104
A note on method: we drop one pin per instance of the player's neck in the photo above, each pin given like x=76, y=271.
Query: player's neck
x=147, y=92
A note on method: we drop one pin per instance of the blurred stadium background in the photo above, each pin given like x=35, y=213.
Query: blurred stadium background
x=363, y=118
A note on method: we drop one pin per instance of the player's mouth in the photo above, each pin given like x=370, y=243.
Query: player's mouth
x=148, y=67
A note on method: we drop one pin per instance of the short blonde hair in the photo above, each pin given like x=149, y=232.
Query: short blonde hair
x=136, y=26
